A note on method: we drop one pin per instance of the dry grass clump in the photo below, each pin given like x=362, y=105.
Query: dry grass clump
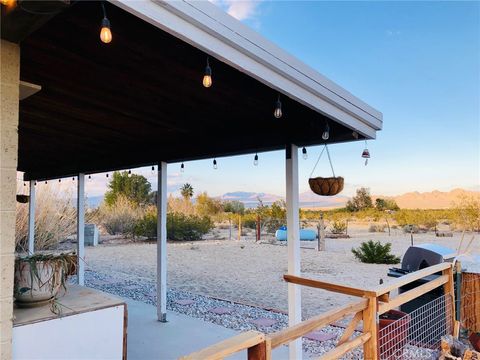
x=55, y=219
x=120, y=217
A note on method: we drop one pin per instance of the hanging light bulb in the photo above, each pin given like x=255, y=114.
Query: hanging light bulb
x=24, y=184
x=106, y=175
x=59, y=180
x=278, y=108
x=215, y=164
x=73, y=178
x=153, y=170
x=129, y=173
x=35, y=184
x=207, y=77
x=326, y=132
x=304, y=153
x=89, y=177
x=366, y=153
x=105, y=32
x=255, y=160
x=45, y=181
x=182, y=168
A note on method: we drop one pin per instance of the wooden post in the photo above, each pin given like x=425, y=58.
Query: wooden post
x=449, y=289
x=239, y=227
x=162, y=242
x=262, y=351
x=81, y=229
x=293, y=245
x=321, y=234
x=370, y=348
x=258, y=228
x=31, y=219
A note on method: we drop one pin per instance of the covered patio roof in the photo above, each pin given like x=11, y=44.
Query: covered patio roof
x=140, y=100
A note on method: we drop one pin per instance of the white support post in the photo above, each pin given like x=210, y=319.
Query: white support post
x=31, y=219
x=162, y=242
x=293, y=244
x=81, y=229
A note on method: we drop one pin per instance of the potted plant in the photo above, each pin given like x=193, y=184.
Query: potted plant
x=39, y=277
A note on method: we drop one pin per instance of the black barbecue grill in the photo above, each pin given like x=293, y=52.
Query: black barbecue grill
x=418, y=257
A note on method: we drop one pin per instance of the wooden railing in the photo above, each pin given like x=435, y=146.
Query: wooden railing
x=372, y=303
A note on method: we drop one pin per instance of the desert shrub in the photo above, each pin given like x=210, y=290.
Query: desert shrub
x=187, y=227
x=55, y=219
x=466, y=213
x=121, y=217
x=249, y=223
x=147, y=224
x=338, y=227
x=407, y=229
x=376, y=228
x=207, y=206
x=373, y=252
x=135, y=188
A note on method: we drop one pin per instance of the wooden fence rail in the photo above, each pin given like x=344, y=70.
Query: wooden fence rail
x=372, y=303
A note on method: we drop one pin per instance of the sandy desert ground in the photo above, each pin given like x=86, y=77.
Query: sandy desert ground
x=252, y=273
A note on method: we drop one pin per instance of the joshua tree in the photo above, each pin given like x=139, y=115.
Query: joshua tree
x=187, y=191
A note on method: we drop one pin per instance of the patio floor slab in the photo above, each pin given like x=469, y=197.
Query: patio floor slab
x=181, y=335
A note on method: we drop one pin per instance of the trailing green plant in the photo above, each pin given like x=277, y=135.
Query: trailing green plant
x=373, y=252
x=62, y=265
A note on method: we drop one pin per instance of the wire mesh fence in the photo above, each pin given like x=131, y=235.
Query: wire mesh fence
x=415, y=335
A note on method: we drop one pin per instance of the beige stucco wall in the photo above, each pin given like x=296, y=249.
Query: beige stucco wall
x=9, y=77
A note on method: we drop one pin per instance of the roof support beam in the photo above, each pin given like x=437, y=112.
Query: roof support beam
x=162, y=242
x=293, y=244
x=81, y=230
x=31, y=218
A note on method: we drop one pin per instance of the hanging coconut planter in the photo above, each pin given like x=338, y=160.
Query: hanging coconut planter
x=326, y=186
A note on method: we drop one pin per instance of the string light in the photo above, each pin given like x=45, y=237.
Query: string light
x=24, y=184
x=207, y=77
x=278, y=108
x=326, y=132
x=105, y=32
x=73, y=178
x=182, y=168
x=89, y=177
x=106, y=175
x=59, y=180
x=304, y=153
x=129, y=173
x=215, y=166
x=35, y=184
x=255, y=160
x=45, y=181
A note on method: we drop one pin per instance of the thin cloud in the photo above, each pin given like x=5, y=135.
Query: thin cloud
x=239, y=9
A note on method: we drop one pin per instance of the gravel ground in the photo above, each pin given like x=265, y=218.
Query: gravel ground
x=240, y=318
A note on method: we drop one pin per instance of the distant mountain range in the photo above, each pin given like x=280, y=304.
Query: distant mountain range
x=412, y=200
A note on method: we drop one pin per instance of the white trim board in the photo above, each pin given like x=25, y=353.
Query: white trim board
x=206, y=27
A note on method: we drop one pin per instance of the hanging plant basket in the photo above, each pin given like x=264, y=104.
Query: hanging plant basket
x=23, y=199
x=326, y=186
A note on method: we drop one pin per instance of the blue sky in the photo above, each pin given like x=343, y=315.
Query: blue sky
x=417, y=62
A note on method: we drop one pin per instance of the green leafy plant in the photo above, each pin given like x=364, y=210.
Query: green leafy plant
x=339, y=227
x=187, y=227
x=373, y=252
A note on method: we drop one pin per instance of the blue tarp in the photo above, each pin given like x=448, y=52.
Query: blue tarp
x=305, y=234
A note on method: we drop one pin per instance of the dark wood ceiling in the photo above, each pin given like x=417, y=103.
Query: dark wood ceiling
x=140, y=100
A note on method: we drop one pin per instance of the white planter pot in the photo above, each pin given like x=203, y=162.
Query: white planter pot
x=35, y=290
